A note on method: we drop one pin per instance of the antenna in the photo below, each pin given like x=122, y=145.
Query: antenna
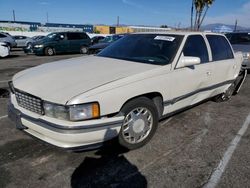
x=118, y=20
x=235, y=25
x=47, y=17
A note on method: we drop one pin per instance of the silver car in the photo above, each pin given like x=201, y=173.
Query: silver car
x=241, y=42
x=5, y=37
x=23, y=41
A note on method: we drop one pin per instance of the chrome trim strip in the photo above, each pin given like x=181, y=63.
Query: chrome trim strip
x=63, y=129
x=177, y=99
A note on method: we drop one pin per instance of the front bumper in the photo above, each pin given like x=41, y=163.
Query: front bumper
x=246, y=64
x=68, y=137
x=38, y=51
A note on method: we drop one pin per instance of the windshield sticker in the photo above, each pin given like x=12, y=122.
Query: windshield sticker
x=166, y=38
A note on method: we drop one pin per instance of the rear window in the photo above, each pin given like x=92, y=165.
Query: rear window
x=220, y=48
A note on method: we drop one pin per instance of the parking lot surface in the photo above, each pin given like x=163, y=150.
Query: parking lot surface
x=185, y=151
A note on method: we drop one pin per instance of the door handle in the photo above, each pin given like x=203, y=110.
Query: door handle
x=208, y=73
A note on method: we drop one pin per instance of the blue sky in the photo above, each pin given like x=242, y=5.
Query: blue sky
x=131, y=12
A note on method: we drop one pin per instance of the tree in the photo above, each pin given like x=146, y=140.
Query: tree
x=201, y=8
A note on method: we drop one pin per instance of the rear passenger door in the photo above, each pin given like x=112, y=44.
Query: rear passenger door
x=77, y=40
x=223, y=63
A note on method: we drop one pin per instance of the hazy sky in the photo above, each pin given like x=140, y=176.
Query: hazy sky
x=131, y=12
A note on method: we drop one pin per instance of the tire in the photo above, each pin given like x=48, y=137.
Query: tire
x=83, y=50
x=140, y=123
x=29, y=45
x=49, y=51
x=227, y=95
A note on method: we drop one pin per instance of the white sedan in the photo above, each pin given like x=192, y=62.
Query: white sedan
x=124, y=90
x=4, y=49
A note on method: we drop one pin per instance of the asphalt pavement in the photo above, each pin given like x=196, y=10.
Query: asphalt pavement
x=186, y=151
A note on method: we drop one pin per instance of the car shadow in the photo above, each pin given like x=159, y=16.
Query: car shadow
x=108, y=168
x=11, y=56
x=4, y=93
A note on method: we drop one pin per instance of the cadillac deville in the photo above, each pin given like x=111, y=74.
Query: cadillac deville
x=123, y=91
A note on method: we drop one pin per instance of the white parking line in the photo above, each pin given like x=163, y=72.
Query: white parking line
x=166, y=121
x=4, y=81
x=2, y=117
x=216, y=176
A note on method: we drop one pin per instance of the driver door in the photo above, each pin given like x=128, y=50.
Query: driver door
x=188, y=82
x=61, y=44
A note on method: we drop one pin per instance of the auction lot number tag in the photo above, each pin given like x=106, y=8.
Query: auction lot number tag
x=166, y=38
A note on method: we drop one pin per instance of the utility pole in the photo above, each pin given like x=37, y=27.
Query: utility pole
x=14, y=15
x=235, y=25
x=47, y=17
x=118, y=20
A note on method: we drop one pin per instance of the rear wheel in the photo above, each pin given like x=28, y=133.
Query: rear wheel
x=49, y=51
x=227, y=95
x=140, y=123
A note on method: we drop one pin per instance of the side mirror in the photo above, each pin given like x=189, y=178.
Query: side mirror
x=186, y=61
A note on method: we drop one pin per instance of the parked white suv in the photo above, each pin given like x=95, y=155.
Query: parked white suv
x=124, y=90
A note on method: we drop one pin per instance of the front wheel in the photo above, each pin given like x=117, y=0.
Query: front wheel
x=49, y=51
x=29, y=45
x=140, y=123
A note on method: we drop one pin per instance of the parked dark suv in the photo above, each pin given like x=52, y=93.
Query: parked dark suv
x=241, y=42
x=62, y=42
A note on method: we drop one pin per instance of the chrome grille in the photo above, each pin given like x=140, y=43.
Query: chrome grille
x=29, y=102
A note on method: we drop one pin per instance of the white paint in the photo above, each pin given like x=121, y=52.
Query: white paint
x=2, y=117
x=216, y=176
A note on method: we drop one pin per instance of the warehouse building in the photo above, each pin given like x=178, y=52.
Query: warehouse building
x=105, y=29
x=47, y=27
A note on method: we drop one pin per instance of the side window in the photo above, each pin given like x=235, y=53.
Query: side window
x=196, y=46
x=83, y=36
x=221, y=49
x=76, y=36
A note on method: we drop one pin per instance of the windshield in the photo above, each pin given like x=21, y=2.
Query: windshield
x=144, y=48
x=107, y=39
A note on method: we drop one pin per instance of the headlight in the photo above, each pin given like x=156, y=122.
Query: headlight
x=246, y=56
x=38, y=46
x=72, y=113
x=85, y=111
x=4, y=45
x=56, y=111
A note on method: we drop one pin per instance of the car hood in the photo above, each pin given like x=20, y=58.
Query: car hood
x=42, y=41
x=60, y=81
